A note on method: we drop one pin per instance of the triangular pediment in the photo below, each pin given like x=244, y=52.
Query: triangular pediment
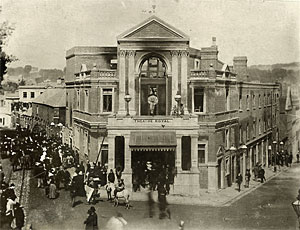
x=153, y=28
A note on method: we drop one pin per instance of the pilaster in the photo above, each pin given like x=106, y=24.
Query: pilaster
x=250, y=162
x=127, y=173
x=184, y=54
x=111, y=151
x=178, y=153
x=244, y=166
x=122, y=79
x=194, y=153
x=174, y=54
x=267, y=153
x=131, y=82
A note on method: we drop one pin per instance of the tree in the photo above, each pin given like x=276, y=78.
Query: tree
x=5, y=31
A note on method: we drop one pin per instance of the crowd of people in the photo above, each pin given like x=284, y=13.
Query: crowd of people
x=282, y=158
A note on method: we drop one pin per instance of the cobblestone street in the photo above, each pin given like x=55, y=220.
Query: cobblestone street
x=253, y=210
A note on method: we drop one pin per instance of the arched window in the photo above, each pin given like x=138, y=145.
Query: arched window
x=153, y=67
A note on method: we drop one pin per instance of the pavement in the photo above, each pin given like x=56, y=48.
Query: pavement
x=263, y=206
x=219, y=198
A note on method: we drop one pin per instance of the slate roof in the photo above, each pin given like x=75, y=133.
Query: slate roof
x=52, y=97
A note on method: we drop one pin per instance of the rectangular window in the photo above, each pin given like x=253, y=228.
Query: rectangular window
x=259, y=128
x=227, y=137
x=186, y=152
x=241, y=134
x=86, y=101
x=78, y=99
x=254, y=129
x=198, y=100
x=24, y=94
x=253, y=101
x=196, y=64
x=201, y=154
x=259, y=102
x=104, y=154
x=240, y=101
x=247, y=132
x=107, y=99
x=227, y=100
x=247, y=102
x=67, y=100
x=31, y=94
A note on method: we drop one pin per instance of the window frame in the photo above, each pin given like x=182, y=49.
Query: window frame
x=102, y=94
x=204, y=101
x=205, y=144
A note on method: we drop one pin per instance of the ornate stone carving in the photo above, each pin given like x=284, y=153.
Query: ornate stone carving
x=122, y=53
x=131, y=53
x=184, y=53
x=174, y=53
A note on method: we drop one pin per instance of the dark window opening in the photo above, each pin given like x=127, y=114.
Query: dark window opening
x=119, y=152
x=201, y=153
x=186, y=152
x=153, y=67
x=198, y=100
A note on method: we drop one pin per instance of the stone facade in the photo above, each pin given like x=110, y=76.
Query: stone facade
x=153, y=82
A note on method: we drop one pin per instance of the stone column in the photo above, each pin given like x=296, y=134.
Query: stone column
x=250, y=155
x=127, y=173
x=122, y=85
x=244, y=166
x=194, y=153
x=262, y=152
x=131, y=82
x=178, y=153
x=212, y=185
x=174, y=54
x=184, y=56
x=267, y=152
x=127, y=155
x=223, y=173
x=111, y=151
x=256, y=154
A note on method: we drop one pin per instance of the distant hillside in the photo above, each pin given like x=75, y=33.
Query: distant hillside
x=288, y=66
x=285, y=73
x=32, y=75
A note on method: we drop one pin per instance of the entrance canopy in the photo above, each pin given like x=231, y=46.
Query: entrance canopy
x=152, y=141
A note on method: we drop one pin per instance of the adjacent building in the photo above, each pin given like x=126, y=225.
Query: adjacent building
x=155, y=98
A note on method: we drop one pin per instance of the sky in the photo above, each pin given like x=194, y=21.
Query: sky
x=266, y=31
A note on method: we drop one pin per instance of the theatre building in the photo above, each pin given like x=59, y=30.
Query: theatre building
x=154, y=98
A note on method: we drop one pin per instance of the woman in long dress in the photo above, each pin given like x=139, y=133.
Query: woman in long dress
x=52, y=190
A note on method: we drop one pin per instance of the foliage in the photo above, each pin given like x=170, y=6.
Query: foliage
x=5, y=31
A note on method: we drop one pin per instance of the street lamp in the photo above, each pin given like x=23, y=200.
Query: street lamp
x=296, y=206
x=275, y=155
x=178, y=99
x=243, y=149
x=269, y=154
x=127, y=98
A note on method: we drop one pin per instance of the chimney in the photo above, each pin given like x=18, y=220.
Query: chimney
x=240, y=68
x=214, y=42
x=60, y=81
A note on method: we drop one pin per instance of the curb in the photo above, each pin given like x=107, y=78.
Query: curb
x=234, y=199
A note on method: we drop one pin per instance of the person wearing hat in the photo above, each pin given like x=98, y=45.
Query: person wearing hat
x=91, y=222
x=119, y=187
x=19, y=216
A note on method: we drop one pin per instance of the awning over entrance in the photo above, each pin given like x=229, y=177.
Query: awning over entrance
x=152, y=141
